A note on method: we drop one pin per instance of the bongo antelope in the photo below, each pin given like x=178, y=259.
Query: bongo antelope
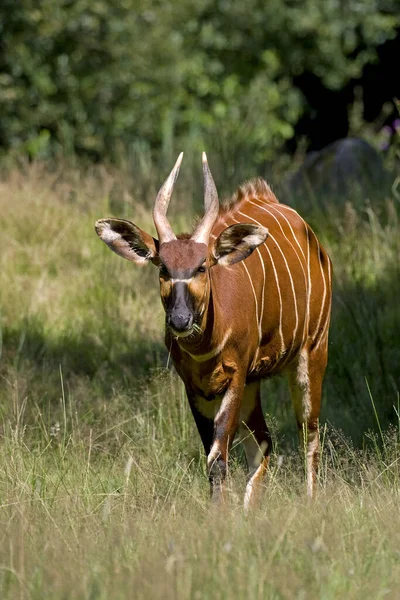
x=247, y=295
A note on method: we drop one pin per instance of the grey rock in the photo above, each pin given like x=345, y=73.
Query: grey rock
x=348, y=170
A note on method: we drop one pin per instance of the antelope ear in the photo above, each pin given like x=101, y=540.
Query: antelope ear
x=237, y=242
x=127, y=240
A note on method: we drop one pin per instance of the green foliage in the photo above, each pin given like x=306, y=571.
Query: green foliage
x=95, y=77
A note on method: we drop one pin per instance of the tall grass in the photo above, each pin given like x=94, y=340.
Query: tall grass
x=103, y=490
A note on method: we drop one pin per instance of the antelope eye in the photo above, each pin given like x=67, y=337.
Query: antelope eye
x=201, y=270
x=164, y=271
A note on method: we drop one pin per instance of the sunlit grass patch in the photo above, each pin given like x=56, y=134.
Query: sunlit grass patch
x=138, y=518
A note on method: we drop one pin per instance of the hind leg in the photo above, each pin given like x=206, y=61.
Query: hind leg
x=305, y=377
x=256, y=440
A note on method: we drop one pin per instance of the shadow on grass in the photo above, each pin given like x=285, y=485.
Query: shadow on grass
x=115, y=361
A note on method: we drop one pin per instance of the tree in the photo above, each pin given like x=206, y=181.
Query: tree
x=94, y=76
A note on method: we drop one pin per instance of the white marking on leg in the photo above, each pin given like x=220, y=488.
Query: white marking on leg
x=253, y=486
x=229, y=405
x=308, y=229
x=214, y=454
x=299, y=383
x=299, y=380
x=229, y=400
x=311, y=447
x=303, y=381
x=255, y=452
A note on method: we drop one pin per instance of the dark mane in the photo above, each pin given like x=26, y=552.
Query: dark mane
x=249, y=190
x=255, y=188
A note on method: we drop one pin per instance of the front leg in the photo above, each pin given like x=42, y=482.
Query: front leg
x=226, y=422
x=203, y=413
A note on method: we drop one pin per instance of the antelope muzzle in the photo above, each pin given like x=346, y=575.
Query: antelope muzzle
x=179, y=312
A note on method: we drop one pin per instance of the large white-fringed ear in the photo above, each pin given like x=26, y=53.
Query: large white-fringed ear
x=128, y=240
x=237, y=242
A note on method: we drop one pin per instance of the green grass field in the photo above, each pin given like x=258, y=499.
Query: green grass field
x=103, y=489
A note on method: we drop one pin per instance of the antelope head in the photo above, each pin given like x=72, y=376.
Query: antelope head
x=184, y=262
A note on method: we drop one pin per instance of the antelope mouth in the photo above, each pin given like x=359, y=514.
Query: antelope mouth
x=191, y=330
x=183, y=334
x=180, y=323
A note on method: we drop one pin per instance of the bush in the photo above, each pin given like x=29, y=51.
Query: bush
x=95, y=77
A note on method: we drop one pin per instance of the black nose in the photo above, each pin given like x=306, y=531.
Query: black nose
x=180, y=321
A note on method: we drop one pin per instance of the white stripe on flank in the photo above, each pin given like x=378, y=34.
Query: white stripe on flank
x=286, y=237
x=329, y=271
x=324, y=295
x=306, y=281
x=255, y=299
x=288, y=222
x=291, y=210
x=217, y=350
x=324, y=333
x=308, y=254
x=309, y=278
x=290, y=277
x=252, y=286
x=283, y=347
x=262, y=293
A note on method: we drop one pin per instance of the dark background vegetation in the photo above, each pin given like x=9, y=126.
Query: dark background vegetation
x=247, y=79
